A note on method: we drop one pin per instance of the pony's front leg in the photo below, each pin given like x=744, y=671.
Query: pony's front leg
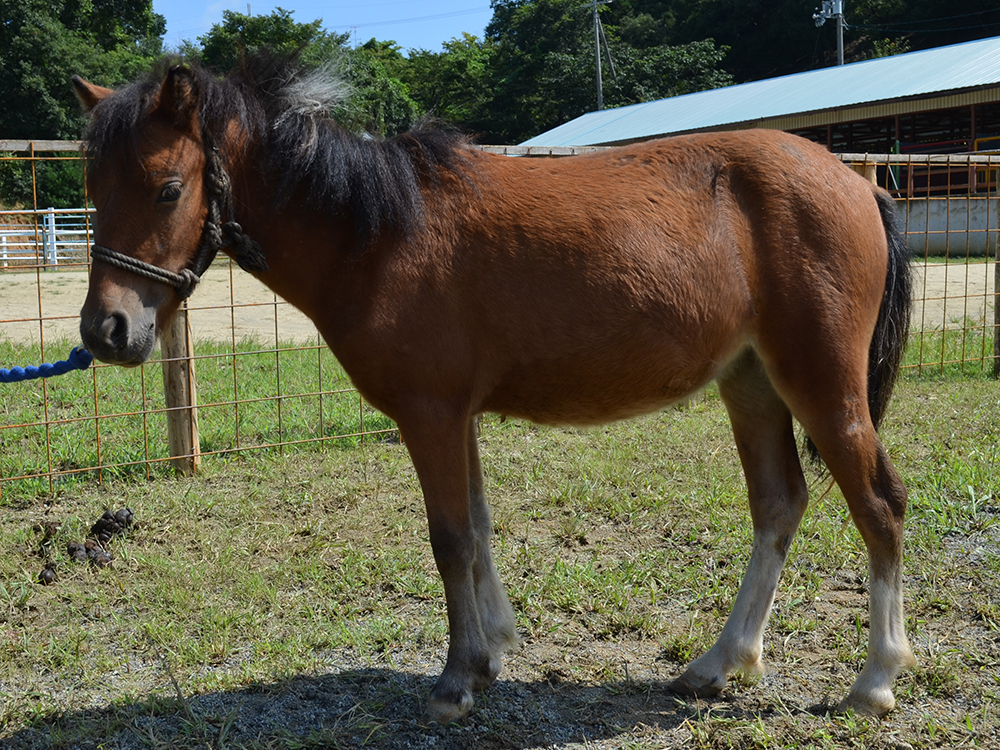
x=439, y=448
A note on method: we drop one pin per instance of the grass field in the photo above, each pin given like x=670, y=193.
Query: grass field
x=257, y=396
x=290, y=601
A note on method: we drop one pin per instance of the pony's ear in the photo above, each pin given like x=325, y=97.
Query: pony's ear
x=177, y=99
x=89, y=94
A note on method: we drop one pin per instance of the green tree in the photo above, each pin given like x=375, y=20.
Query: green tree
x=534, y=81
x=453, y=84
x=239, y=34
x=43, y=43
x=542, y=69
x=379, y=103
x=777, y=37
x=114, y=24
x=656, y=72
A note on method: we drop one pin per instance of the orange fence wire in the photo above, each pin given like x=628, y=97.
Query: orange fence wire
x=951, y=215
x=267, y=383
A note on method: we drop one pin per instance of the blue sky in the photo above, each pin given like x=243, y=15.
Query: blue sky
x=412, y=24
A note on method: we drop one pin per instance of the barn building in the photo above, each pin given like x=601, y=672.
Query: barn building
x=942, y=100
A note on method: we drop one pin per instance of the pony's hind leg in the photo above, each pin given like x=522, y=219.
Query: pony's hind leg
x=826, y=388
x=762, y=426
x=877, y=500
x=480, y=620
x=495, y=613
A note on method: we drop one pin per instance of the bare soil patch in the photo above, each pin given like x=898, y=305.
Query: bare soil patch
x=228, y=305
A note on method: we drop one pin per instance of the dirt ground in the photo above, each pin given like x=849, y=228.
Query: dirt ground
x=50, y=302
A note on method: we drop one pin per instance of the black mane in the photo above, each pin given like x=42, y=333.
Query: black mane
x=375, y=182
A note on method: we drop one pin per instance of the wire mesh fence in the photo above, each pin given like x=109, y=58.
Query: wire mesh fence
x=949, y=210
x=266, y=382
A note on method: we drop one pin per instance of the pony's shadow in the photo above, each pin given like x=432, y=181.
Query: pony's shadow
x=371, y=708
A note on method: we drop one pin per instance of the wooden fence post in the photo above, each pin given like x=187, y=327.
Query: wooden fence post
x=181, y=392
x=867, y=170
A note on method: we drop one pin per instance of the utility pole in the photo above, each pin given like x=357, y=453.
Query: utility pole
x=597, y=57
x=598, y=39
x=833, y=9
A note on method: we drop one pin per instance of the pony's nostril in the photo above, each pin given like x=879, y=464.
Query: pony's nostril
x=118, y=337
x=114, y=330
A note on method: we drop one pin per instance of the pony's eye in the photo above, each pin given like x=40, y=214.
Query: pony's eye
x=170, y=192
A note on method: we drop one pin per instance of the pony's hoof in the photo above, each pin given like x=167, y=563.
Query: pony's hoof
x=877, y=706
x=445, y=710
x=696, y=685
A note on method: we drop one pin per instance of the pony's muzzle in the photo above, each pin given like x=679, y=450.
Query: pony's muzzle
x=116, y=339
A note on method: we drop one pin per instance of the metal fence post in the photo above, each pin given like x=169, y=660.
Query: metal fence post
x=50, y=237
x=996, y=314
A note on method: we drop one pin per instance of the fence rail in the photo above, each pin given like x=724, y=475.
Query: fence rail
x=45, y=238
x=265, y=381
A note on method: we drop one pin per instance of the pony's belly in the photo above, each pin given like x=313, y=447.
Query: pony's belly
x=580, y=397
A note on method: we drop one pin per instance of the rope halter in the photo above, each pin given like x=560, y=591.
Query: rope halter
x=215, y=235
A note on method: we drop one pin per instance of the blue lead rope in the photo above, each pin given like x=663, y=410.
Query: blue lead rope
x=79, y=359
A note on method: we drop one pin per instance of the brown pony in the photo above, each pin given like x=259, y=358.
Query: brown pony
x=449, y=282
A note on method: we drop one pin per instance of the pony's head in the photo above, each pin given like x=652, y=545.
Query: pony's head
x=147, y=182
x=160, y=152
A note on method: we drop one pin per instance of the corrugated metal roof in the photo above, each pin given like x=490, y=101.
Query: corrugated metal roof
x=915, y=74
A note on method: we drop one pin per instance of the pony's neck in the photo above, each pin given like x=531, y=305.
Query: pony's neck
x=299, y=243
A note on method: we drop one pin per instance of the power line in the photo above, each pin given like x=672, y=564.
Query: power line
x=898, y=30
x=942, y=18
x=452, y=14
x=415, y=19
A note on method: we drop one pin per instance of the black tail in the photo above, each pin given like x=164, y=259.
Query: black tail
x=893, y=326
x=885, y=353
